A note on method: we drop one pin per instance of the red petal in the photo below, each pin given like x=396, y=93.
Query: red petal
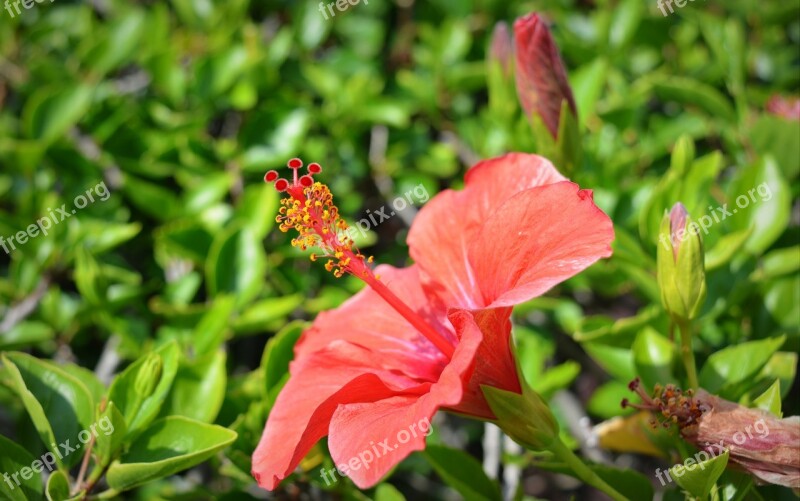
x=495, y=364
x=357, y=428
x=319, y=383
x=367, y=320
x=441, y=234
x=538, y=238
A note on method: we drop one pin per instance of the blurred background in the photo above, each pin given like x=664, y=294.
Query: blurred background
x=169, y=114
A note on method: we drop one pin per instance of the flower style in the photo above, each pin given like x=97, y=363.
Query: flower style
x=366, y=370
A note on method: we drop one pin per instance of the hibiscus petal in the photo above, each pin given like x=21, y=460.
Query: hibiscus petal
x=395, y=422
x=443, y=230
x=367, y=320
x=320, y=382
x=494, y=364
x=537, y=239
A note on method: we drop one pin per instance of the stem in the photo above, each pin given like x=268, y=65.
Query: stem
x=84, y=466
x=687, y=354
x=582, y=471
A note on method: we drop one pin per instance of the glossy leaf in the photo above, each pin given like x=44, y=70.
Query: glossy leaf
x=166, y=447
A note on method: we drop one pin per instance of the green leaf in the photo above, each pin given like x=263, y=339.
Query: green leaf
x=770, y=400
x=782, y=301
x=110, y=437
x=151, y=198
x=694, y=92
x=49, y=113
x=616, y=361
x=213, y=328
x=236, y=264
x=278, y=352
x=100, y=238
x=761, y=199
x=266, y=311
x=217, y=73
x=626, y=21
x=286, y=139
x=777, y=137
x=462, y=472
x=166, y=447
x=699, y=477
x=198, y=389
x=258, y=207
x=726, y=248
x=13, y=459
x=387, y=492
x=782, y=366
x=88, y=378
x=606, y=400
x=26, y=334
x=653, y=355
x=556, y=378
x=47, y=391
x=629, y=483
x=588, y=83
x=119, y=44
x=58, y=487
x=140, y=410
x=737, y=363
x=781, y=262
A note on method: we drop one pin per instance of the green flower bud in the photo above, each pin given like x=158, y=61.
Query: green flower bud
x=149, y=375
x=681, y=268
x=526, y=417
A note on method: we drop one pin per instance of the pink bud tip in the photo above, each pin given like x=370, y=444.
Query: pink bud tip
x=677, y=221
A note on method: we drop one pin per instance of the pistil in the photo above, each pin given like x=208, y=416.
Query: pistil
x=310, y=211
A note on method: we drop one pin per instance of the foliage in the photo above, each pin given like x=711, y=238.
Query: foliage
x=150, y=309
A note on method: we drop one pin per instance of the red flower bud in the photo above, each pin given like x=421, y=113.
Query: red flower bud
x=541, y=78
x=501, y=49
x=785, y=107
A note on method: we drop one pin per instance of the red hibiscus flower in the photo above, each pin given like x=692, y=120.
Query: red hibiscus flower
x=426, y=337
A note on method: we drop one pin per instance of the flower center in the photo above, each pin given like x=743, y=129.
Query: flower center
x=669, y=403
x=309, y=210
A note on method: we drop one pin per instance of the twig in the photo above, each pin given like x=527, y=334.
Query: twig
x=511, y=472
x=464, y=152
x=21, y=310
x=378, y=142
x=491, y=449
x=109, y=359
x=579, y=426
